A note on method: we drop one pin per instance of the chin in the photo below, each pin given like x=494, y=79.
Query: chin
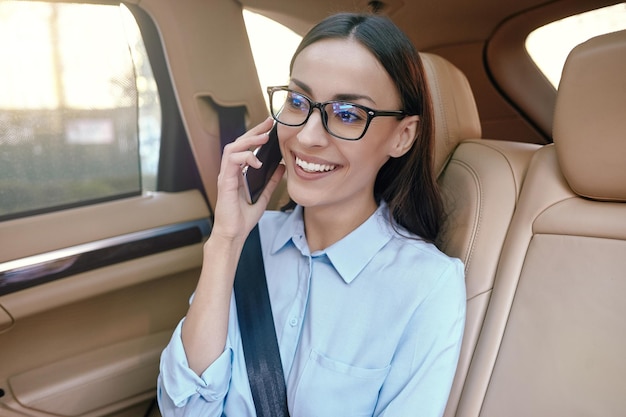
x=306, y=197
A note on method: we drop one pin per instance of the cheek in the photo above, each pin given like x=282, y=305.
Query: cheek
x=367, y=164
x=370, y=154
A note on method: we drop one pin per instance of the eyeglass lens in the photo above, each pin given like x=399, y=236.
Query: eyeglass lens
x=342, y=119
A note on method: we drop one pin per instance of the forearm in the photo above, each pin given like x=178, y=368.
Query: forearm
x=206, y=324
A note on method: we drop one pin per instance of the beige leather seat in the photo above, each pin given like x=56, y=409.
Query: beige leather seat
x=481, y=181
x=554, y=338
x=454, y=107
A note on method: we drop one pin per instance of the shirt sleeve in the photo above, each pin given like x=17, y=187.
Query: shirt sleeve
x=181, y=392
x=422, y=372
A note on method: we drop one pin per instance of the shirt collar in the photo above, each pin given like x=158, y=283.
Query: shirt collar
x=291, y=229
x=349, y=255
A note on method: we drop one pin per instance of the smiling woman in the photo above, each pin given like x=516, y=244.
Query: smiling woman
x=368, y=313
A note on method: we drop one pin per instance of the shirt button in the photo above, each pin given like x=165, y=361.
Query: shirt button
x=293, y=322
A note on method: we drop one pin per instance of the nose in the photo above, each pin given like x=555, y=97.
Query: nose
x=313, y=132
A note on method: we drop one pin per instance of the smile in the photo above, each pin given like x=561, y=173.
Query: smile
x=311, y=167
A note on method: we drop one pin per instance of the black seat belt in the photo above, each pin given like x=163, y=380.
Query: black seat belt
x=258, y=335
x=232, y=123
x=256, y=323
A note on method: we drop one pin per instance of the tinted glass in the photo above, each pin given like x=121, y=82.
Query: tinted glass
x=72, y=87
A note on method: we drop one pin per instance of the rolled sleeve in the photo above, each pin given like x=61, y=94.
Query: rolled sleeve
x=181, y=384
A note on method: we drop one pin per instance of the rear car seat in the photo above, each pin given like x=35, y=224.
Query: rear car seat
x=554, y=340
x=481, y=180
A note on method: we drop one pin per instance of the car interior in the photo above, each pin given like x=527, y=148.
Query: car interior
x=101, y=246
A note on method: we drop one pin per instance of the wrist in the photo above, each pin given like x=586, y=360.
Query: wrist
x=223, y=243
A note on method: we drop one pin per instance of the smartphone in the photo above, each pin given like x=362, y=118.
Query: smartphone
x=254, y=179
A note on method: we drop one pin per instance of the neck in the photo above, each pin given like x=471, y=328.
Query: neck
x=325, y=225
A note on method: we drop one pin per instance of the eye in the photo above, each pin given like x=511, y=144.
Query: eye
x=297, y=102
x=348, y=113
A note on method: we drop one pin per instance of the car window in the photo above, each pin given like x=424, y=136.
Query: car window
x=549, y=45
x=79, y=109
x=272, y=48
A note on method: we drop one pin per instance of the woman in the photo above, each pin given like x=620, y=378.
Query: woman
x=368, y=313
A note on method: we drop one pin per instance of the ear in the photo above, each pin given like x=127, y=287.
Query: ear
x=404, y=136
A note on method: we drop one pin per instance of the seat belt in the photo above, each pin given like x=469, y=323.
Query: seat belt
x=256, y=323
x=258, y=335
x=232, y=123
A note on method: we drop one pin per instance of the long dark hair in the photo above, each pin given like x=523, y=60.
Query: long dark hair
x=408, y=183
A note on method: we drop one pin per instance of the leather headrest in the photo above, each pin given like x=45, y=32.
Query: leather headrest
x=455, y=111
x=590, y=118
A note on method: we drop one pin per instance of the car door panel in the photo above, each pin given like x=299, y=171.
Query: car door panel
x=89, y=343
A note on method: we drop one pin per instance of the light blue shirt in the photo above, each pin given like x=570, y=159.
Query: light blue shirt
x=371, y=326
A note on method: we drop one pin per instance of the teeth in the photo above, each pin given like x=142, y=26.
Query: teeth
x=310, y=167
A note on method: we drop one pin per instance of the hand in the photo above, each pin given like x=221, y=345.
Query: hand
x=234, y=217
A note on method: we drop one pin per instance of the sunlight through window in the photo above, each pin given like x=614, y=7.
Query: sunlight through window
x=272, y=48
x=549, y=45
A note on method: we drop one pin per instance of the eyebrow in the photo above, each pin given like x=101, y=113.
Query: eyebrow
x=341, y=97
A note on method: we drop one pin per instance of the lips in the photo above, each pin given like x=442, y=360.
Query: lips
x=312, y=167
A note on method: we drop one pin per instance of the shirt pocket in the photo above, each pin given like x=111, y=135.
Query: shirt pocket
x=329, y=388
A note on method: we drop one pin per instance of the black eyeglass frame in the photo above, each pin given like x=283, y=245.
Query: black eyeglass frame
x=371, y=113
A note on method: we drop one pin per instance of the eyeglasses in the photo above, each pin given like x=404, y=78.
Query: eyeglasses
x=341, y=119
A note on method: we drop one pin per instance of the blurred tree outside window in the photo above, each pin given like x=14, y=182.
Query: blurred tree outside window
x=79, y=109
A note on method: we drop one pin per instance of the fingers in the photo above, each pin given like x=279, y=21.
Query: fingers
x=240, y=152
x=238, y=155
x=253, y=138
x=262, y=127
